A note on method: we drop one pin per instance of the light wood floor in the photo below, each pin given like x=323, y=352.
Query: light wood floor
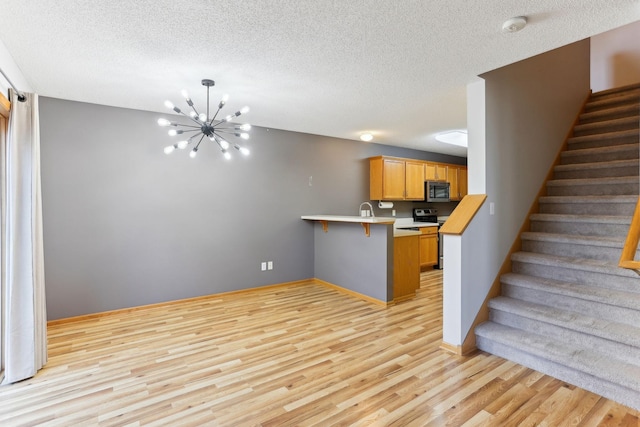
x=295, y=355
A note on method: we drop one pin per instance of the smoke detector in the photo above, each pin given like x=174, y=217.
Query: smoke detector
x=514, y=24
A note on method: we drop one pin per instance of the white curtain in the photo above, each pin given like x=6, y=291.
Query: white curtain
x=24, y=319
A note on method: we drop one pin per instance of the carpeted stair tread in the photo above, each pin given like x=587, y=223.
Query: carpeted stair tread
x=604, y=102
x=611, y=180
x=603, y=136
x=587, y=265
x=573, y=356
x=608, y=113
x=629, y=122
x=625, y=334
x=597, y=165
x=623, y=148
x=609, y=242
x=590, y=199
x=597, y=219
x=584, y=292
x=634, y=87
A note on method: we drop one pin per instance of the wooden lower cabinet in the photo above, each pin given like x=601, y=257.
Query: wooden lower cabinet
x=406, y=267
x=428, y=246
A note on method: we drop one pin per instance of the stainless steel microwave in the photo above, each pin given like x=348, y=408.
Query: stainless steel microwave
x=436, y=191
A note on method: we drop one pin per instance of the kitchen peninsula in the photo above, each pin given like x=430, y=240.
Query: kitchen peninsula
x=356, y=254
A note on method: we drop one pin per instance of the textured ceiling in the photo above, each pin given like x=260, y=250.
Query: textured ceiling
x=397, y=68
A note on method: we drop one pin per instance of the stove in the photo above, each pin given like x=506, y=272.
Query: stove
x=425, y=215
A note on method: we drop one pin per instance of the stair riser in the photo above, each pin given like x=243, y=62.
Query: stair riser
x=595, y=309
x=612, y=172
x=605, y=127
x=604, y=345
x=577, y=276
x=582, y=229
x=572, y=250
x=604, y=388
x=602, y=189
x=624, y=209
x=604, y=142
x=572, y=157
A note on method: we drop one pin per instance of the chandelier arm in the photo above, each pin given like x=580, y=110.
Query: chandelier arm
x=214, y=117
x=189, y=126
x=199, y=141
x=193, y=107
x=226, y=130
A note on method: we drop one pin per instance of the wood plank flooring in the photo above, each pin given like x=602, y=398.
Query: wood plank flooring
x=299, y=355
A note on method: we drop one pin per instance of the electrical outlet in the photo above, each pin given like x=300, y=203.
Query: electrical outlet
x=263, y=266
x=270, y=265
x=393, y=212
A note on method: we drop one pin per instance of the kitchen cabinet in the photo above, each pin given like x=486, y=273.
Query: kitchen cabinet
x=406, y=267
x=457, y=177
x=435, y=172
x=395, y=179
x=428, y=246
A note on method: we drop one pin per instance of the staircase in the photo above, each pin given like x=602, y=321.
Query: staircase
x=567, y=309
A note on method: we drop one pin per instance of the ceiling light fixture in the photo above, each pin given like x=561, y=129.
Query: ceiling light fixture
x=514, y=24
x=454, y=137
x=366, y=137
x=206, y=125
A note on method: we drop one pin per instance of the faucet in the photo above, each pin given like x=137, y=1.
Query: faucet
x=370, y=207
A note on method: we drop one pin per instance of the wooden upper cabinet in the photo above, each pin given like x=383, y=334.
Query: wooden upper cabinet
x=393, y=173
x=414, y=181
x=395, y=179
x=457, y=177
x=435, y=172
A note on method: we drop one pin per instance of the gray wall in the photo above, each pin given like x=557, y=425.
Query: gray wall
x=347, y=257
x=127, y=225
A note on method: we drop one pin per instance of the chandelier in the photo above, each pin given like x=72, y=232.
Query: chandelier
x=206, y=125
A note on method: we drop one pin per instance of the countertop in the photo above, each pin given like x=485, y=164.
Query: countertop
x=348, y=218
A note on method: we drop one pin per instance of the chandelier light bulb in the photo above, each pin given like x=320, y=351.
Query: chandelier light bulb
x=183, y=144
x=224, y=144
x=202, y=117
x=244, y=135
x=164, y=122
x=244, y=151
x=224, y=100
x=228, y=118
x=169, y=104
x=172, y=132
x=244, y=110
x=244, y=127
x=193, y=114
x=185, y=94
x=193, y=153
x=169, y=149
x=226, y=154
